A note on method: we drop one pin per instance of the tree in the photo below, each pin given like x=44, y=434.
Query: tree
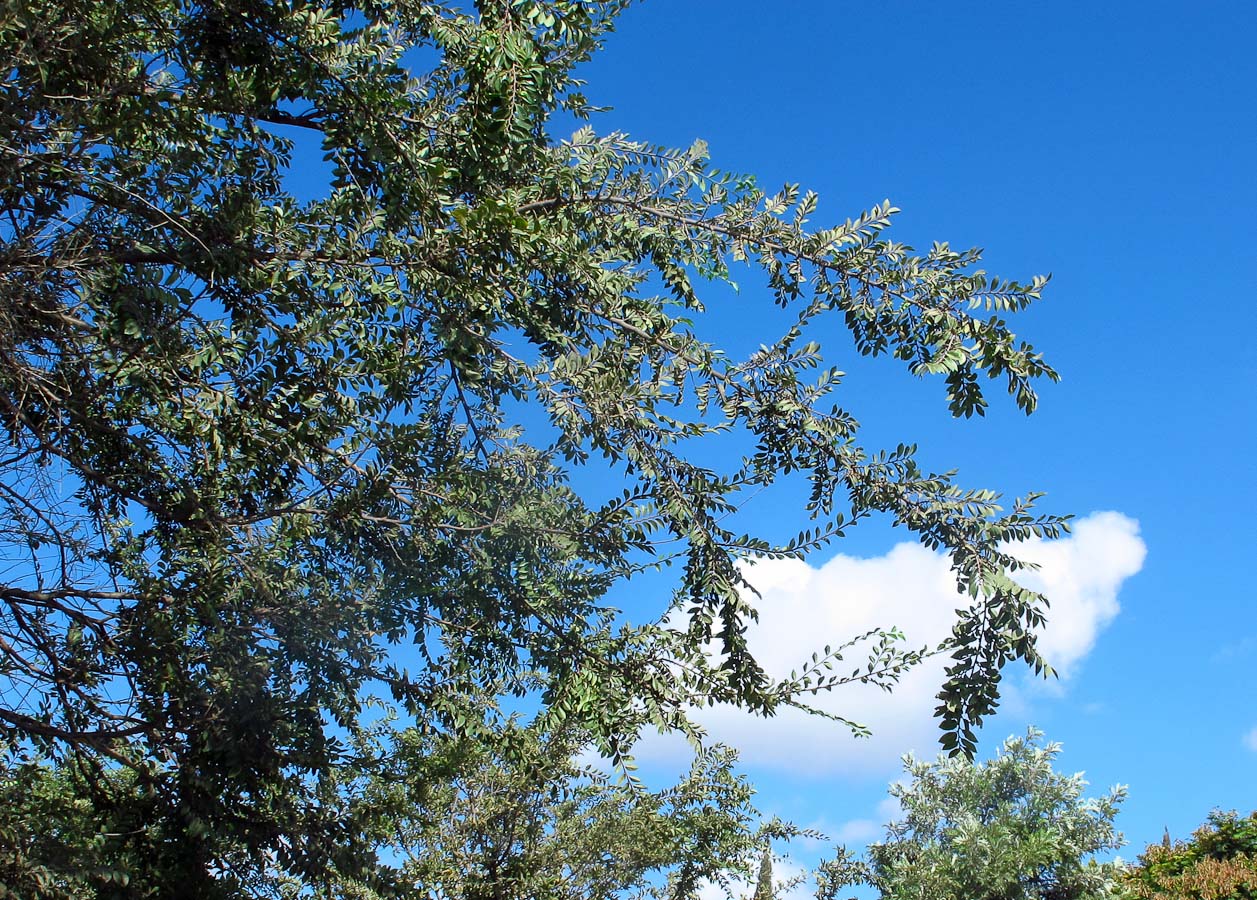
x=520, y=817
x=1219, y=862
x=272, y=459
x=68, y=861
x=764, y=880
x=511, y=817
x=1008, y=829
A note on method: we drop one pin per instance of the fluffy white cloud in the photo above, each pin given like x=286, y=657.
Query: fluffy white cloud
x=1250, y=740
x=1081, y=576
x=803, y=607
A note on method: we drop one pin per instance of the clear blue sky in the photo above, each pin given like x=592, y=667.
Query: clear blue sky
x=1112, y=145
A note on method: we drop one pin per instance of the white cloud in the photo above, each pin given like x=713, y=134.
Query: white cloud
x=804, y=607
x=1250, y=740
x=1081, y=576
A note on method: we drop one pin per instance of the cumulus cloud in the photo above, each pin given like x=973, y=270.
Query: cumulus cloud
x=803, y=607
x=1081, y=577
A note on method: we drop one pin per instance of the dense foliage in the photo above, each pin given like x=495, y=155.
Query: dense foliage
x=1219, y=862
x=514, y=815
x=522, y=817
x=277, y=447
x=1008, y=829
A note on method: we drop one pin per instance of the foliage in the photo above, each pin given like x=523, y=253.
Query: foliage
x=271, y=456
x=1007, y=829
x=1218, y=863
x=70, y=832
x=521, y=817
x=514, y=815
x=35, y=863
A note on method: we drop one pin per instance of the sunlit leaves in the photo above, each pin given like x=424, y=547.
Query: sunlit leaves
x=1008, y=829
x=1218, y=862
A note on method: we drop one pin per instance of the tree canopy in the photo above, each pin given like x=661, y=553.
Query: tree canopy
x=1008, y=829
x=276, y=455
x=520, y=816
x=508, y=816
x=1218, y=862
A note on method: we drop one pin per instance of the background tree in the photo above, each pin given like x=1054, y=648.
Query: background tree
x=1007, y=829
x=51, y=844
x=269, y=458
x=1219, y=862
x=513, y=815
x=521, y=817
x=764, y=879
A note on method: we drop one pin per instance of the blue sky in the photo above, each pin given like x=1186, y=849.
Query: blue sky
x=1109, y=144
